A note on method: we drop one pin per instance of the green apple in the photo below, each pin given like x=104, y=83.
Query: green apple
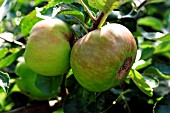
x=36, y=86
x=48, y=48
x=102, y=58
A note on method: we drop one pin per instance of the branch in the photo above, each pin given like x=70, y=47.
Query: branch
x=63, y=88
x=142, y=4
x=14, y=42
x=88, y=11
x=133, y=13
x=97, y=22
x=42, y=107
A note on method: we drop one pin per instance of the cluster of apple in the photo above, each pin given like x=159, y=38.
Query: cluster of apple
x=99, y=60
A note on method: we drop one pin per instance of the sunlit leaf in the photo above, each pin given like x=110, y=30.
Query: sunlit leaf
x=106, y=5
x=1, y=108
x=28, y=22
x=59, y=111
x=75, y=13
x=142, y=64
x=4, y=81
x=152, y=35
x=163, y=47
x=141, y=82
x=147, y=44
x=70, y=72
x=152, y=71
x=151, y=22
x=54, y=2
x=3, y=52
x=63, y=1
x=164, y=38
x=156, y=36
x=156, y=1
x=10, y=59
x=152, y=81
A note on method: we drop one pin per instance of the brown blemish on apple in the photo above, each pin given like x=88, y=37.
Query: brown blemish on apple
x=124, y=68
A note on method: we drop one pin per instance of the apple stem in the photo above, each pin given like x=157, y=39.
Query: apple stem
x=103, y=19
x=96, y=23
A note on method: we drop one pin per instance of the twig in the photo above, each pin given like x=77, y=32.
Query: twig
x=63, y=88
x=133, y=12
x=14, y=42
x=120, y=96
x=96, y=23
x=40, y=107
x=88, y=11
x=142, y=4
x=104, y=17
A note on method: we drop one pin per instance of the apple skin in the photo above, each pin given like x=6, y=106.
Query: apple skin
x=48, y=47
x=27, y=83
x=102, y=58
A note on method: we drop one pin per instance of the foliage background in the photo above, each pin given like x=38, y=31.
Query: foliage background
x=146, y=89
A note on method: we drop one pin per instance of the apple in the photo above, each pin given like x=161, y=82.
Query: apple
x=103, y=57
x=48, y=47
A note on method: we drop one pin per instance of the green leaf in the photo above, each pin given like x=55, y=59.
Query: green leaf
x=156, y=36
x=106, y=5
x=147, y=53
x=141, y=82
x=59, y=111
x=4, y=81
x=142, y=64
x=166, y=54
x=151, y=22
x=6, y=6
x=152, y=71
x=28, y=22
x=63, y=1
x=48, y=85
x=163, y=47
x=151, y=81
x=164, y=38
x=156, y=1
x=10, y=59
x=152, y=35
x=54, y=2
x=75, y=13
x=162, y=66
x=1, y=108
x=3, y=52
x=147, y=44
x=79, y=99
x=70, y=72
x=162, y=106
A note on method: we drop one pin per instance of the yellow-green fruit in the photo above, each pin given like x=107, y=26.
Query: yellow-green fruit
x=48, y=48
x=27, y=83
x=102, y=58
